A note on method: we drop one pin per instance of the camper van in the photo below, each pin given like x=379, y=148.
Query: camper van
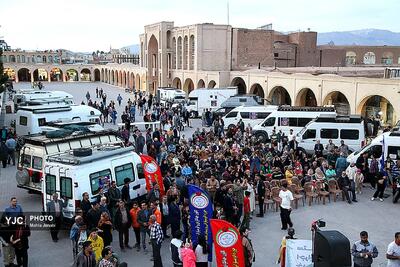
x=208, y=98
x=286, y=117
x=169, y=94
x=242, y=100
x=77, y=171
x=249, y=115
x=387, y=143
x=32, y=119
x=33, y=154
x=350, y=129
x=23, y=98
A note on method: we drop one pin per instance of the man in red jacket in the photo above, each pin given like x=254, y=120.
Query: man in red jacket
x=246, y=209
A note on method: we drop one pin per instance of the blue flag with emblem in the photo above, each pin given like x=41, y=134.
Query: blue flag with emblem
x=201, y=211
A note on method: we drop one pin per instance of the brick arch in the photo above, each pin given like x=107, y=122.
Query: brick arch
x=201, y=84
x=339, y=100
x=279, y=95
x=241, y=85
x=306, y=97
x=257, y=89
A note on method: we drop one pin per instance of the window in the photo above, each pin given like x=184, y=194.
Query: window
x=26, y=160
x=124, y=171
x=140, y=171
x=329, y=133
x=66, y=187
x=213, y=103
x=293, y=122
x=269, y=122
x=262, y=115
x=276, y=54
x=394, y=152
x=301, y=122
x=242, y=100
x=245, y=115
x=310, y=134
x=37, y=163
x=42, y=122
x=23, y=120
x=98, y=179
x=50, y=184
x=231, y=114
x=349, y=134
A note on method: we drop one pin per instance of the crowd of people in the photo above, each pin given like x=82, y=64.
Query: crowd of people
x=237, y=170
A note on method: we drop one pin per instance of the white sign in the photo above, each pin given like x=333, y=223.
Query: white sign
x=298, y=253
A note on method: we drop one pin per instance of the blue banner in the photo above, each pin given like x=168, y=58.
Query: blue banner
x=201, y=211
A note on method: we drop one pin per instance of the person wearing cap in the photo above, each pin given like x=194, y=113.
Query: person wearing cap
x=363, y=251
x=86, y=258
x=97, y=243
x=282, y=249
x=249, y=254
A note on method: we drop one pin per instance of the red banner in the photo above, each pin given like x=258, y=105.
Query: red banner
x=227, y=243
x=152, y=173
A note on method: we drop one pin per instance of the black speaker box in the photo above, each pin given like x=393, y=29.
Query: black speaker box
x=331, y=249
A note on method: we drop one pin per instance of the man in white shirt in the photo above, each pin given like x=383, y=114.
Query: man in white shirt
x=286, y=206
x=393, y=252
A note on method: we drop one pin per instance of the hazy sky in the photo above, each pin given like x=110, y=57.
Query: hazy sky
x=88, y=25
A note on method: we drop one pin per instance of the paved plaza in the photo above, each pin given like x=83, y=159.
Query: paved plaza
x=380, y=219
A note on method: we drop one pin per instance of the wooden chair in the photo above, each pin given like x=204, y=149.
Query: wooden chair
x=334, y=189
x=296, y=195
x=310, y=194
x=322, y=193
x=296, y=181
x=267, y=199
x=275, y=197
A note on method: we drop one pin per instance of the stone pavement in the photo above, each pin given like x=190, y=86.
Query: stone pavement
x=380, y=219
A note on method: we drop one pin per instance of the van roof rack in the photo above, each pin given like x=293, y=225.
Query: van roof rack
x=339, y=119
x=292, y=108
x=46, y=108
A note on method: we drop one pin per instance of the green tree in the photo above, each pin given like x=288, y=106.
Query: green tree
x=3, y=76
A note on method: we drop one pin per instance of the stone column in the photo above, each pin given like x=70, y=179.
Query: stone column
x=383, y=105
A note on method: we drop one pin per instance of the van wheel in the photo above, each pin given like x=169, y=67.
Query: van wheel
x=82, y=152
x=261, y=136
x=231, y=126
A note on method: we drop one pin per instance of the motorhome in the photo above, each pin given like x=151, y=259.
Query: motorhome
x=172, y=95
x=35, y=150
x=33, y=97
x=387, y=143
x=249, y=115
x=208, y=98
x=242, y=100
x=32, y=119
x=349, y=129
x=287, y=117
x=72, y=173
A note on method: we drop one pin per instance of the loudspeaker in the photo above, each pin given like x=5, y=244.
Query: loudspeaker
x=331, y=249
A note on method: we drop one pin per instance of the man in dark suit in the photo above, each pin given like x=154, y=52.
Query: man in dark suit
x=125, y=192
x=55, y=208
x=293, y=144
x=261, y=194
x=122, y=223
x=318, y=149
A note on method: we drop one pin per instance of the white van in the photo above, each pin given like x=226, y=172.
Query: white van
x=208, y=98
x=391, y=148
x=286, y=118
x=22, y=98
x=170, y=94
x=31, y=119
x=71, y=174
x=33, y=154
x=249, y=115
x=350, y=129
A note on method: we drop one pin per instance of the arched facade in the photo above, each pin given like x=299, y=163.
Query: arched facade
x=201, y=84
x=306, y=98
x=188, y=85
x=387, y=58
x=176, y=83
x=279, y=96
x=351, y=58
x=72, y=75
x=257, y=89
x=138, y=85
x=56, y=75
x=211, y=84
x=97, y=75
x=40, y=75
x=24, y=75
x=339, y=100
x=191, y=52
x=241, y=85
x=153, y=64
x=377, y=106
x=86, y=75
x=369, y=58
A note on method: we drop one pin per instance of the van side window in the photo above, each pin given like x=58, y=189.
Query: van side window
x=231, y=114
x=42, y=121
x=262, y=115
x=245, y=115
x=349, y=134
x=26, y=160
x=37, y=163
x=98, y=179
x=293, y=122
x=310, y=134
x=23, y=120
x=301, y=122
x=140, y=171
x=66, y=187
x=269, y=122
x=330, y=133
x=394, y=150
x=124, y=171
x=242, y=100
x=50, y=184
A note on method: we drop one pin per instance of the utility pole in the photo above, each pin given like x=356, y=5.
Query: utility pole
x=227, y=10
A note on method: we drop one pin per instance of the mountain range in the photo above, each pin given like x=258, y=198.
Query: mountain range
x=356, y=37
x=360, y=37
